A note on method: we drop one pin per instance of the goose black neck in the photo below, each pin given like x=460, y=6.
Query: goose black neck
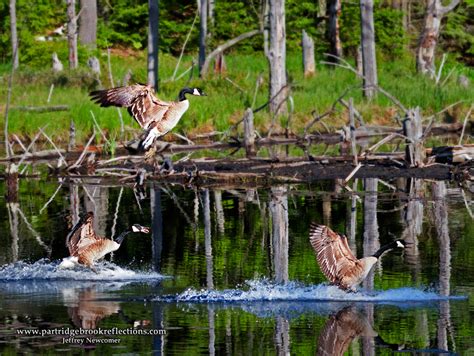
x=183, y=92
x=120, y=238
x=384, y=248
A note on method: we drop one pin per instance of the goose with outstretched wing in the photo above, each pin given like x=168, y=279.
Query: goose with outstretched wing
x=86, y=247
x=155, y=116
x=336, y=260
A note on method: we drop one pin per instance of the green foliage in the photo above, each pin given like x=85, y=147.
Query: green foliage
x=389, y=34
x=303, y=15
x=458, y=34
x=124, y=24
x=234, y=18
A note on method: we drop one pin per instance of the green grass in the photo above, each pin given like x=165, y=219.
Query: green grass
x=226, y=101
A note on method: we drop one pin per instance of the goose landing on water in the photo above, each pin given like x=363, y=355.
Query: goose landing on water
x=86, y=247
x=155, y=116
x=337, y=261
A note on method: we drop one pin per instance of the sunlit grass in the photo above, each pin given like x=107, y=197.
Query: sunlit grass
x=228, y=95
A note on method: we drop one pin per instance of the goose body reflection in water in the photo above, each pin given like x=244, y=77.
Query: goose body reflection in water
x=86, y=311
x=86, y=247
x=342, y=328
x=337, y=261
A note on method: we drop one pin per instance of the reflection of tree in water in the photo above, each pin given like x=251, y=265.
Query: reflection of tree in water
x=280, y=244
x=440, y=212
x=412, y=217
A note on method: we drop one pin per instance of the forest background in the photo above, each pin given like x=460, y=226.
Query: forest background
x=121, y=39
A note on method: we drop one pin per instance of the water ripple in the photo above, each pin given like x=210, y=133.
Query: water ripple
x=264, y=290
x=45, y=269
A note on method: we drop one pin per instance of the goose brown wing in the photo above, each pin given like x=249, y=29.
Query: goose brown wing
x=139, y=99
x=333, y=254
x=81, y=235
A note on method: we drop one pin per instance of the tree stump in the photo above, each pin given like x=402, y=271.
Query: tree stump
x=94, y=64
x=249, y=133
x=57, y=65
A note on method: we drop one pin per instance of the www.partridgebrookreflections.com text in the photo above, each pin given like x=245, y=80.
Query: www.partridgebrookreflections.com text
x=90, y=332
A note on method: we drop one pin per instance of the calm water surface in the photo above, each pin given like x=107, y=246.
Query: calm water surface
x=231, y=271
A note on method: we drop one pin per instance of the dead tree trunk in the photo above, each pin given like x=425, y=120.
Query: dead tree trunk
x=413, y=130
x=279, y=211
x=153, y=33
x=333, y=14
x=425, y=54
x=369, y=62
x=371, y=227
x=210, y=13
x=14, y=34
x=308, y=55
x=72, y=33
x=88, y=23
x=202, y=34
x=277, y=57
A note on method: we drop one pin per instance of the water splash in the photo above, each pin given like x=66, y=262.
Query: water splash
x=264, y=290
x=45, y=269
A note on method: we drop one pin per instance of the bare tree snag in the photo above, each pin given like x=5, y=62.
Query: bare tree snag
x=369, y=62
x=277, y=58
x=221, y=48
x=333, y=14
x=210, y=13
x=249, y=133
x=279, y=211
x=72, y=33
x=371, y=226
x=202, y=34
x=425, y=54
x=413, y=130
x=308, y=55
x=88, y=23
x=153, y=33
x=14, y=34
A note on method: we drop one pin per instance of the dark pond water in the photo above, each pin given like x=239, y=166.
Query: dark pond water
x=231, y=271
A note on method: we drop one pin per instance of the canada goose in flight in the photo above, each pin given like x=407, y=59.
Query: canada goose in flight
x=337, y=261
x=85, y=246
x=342, y=328
x=155, y=116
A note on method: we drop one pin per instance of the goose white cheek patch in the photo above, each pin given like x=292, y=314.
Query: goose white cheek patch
x=399, y=244
x=196, y=92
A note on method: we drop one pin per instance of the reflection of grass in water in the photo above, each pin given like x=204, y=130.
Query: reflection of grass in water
x=225, y=104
